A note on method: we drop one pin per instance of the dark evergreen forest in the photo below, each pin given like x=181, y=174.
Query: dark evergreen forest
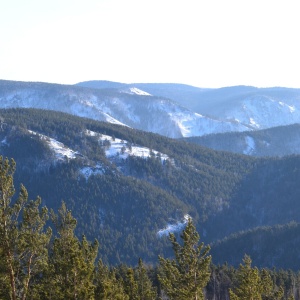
x=42, y=260
x=239, y=204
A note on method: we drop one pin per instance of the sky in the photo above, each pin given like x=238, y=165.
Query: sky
x=204, y=43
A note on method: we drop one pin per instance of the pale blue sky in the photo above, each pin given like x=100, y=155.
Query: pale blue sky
x=205, y=43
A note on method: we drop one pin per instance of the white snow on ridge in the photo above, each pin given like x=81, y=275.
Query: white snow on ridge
x=121, y=148
x=171, y=228
x=136, y=91
x=193, y=124
x=253, y=123
x=112, y=120
x=260, y=112
x=291, y=108
x=60, y=150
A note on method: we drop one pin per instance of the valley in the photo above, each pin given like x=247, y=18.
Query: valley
x=125, y=186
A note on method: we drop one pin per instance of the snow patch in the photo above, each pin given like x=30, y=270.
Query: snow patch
x=115, y=147
x=136, y=91
x=291, y=108
x=60, y=150
x=171, y=228
x=112, y=120
x=89, y=171
x=253, y=123
x=194, y=124
x=250, y=145
x=4, y=142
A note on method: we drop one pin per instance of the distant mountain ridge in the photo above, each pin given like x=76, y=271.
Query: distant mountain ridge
x=173, y=110
x=134, y=109
x=275, y=141
x=257, y=108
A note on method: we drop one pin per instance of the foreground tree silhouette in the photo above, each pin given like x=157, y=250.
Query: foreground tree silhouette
x=23, y=240
x=108, y=287
x=145, y=289
x=185, y=277
x=253, y=285
x=72, y=262
x=250, y=286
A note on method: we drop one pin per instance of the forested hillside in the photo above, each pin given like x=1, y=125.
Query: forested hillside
x=277, y=141
x=269, y=245
x=130, y=201
x=42, y=258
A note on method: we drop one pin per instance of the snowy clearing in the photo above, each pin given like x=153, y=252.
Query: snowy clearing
x=115, y=147
x=136, y=91
x=250, y=145
x=61, y=151
x=89, y=171
x=171, y=228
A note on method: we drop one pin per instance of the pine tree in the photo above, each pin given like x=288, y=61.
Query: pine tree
x=107, y=285
x=270, y=290
x=145, y=289
x=185, y=277
x=23, y=240
x=130, y=285
x=72, y=261
x=249, y=282
x=255, y=285
x=33, y=245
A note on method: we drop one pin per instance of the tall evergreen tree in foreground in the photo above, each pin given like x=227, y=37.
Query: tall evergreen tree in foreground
x=108, y=287
x=185, y=277
x=255, y=285
x=72, y=262
x=146, y=291
x=23, y=239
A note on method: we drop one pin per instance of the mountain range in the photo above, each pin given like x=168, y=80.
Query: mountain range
x=129, y=187
x=172, y=110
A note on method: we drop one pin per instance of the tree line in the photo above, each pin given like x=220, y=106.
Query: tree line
x=42, y=258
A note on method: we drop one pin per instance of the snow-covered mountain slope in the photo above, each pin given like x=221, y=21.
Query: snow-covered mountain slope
x=264, y=111
x=252, y=108
x=121, y=149
x=115, y=149
x=258, y=108
x=153, y=107
x=60, y=151
x=126, y=106
x=135, y=91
